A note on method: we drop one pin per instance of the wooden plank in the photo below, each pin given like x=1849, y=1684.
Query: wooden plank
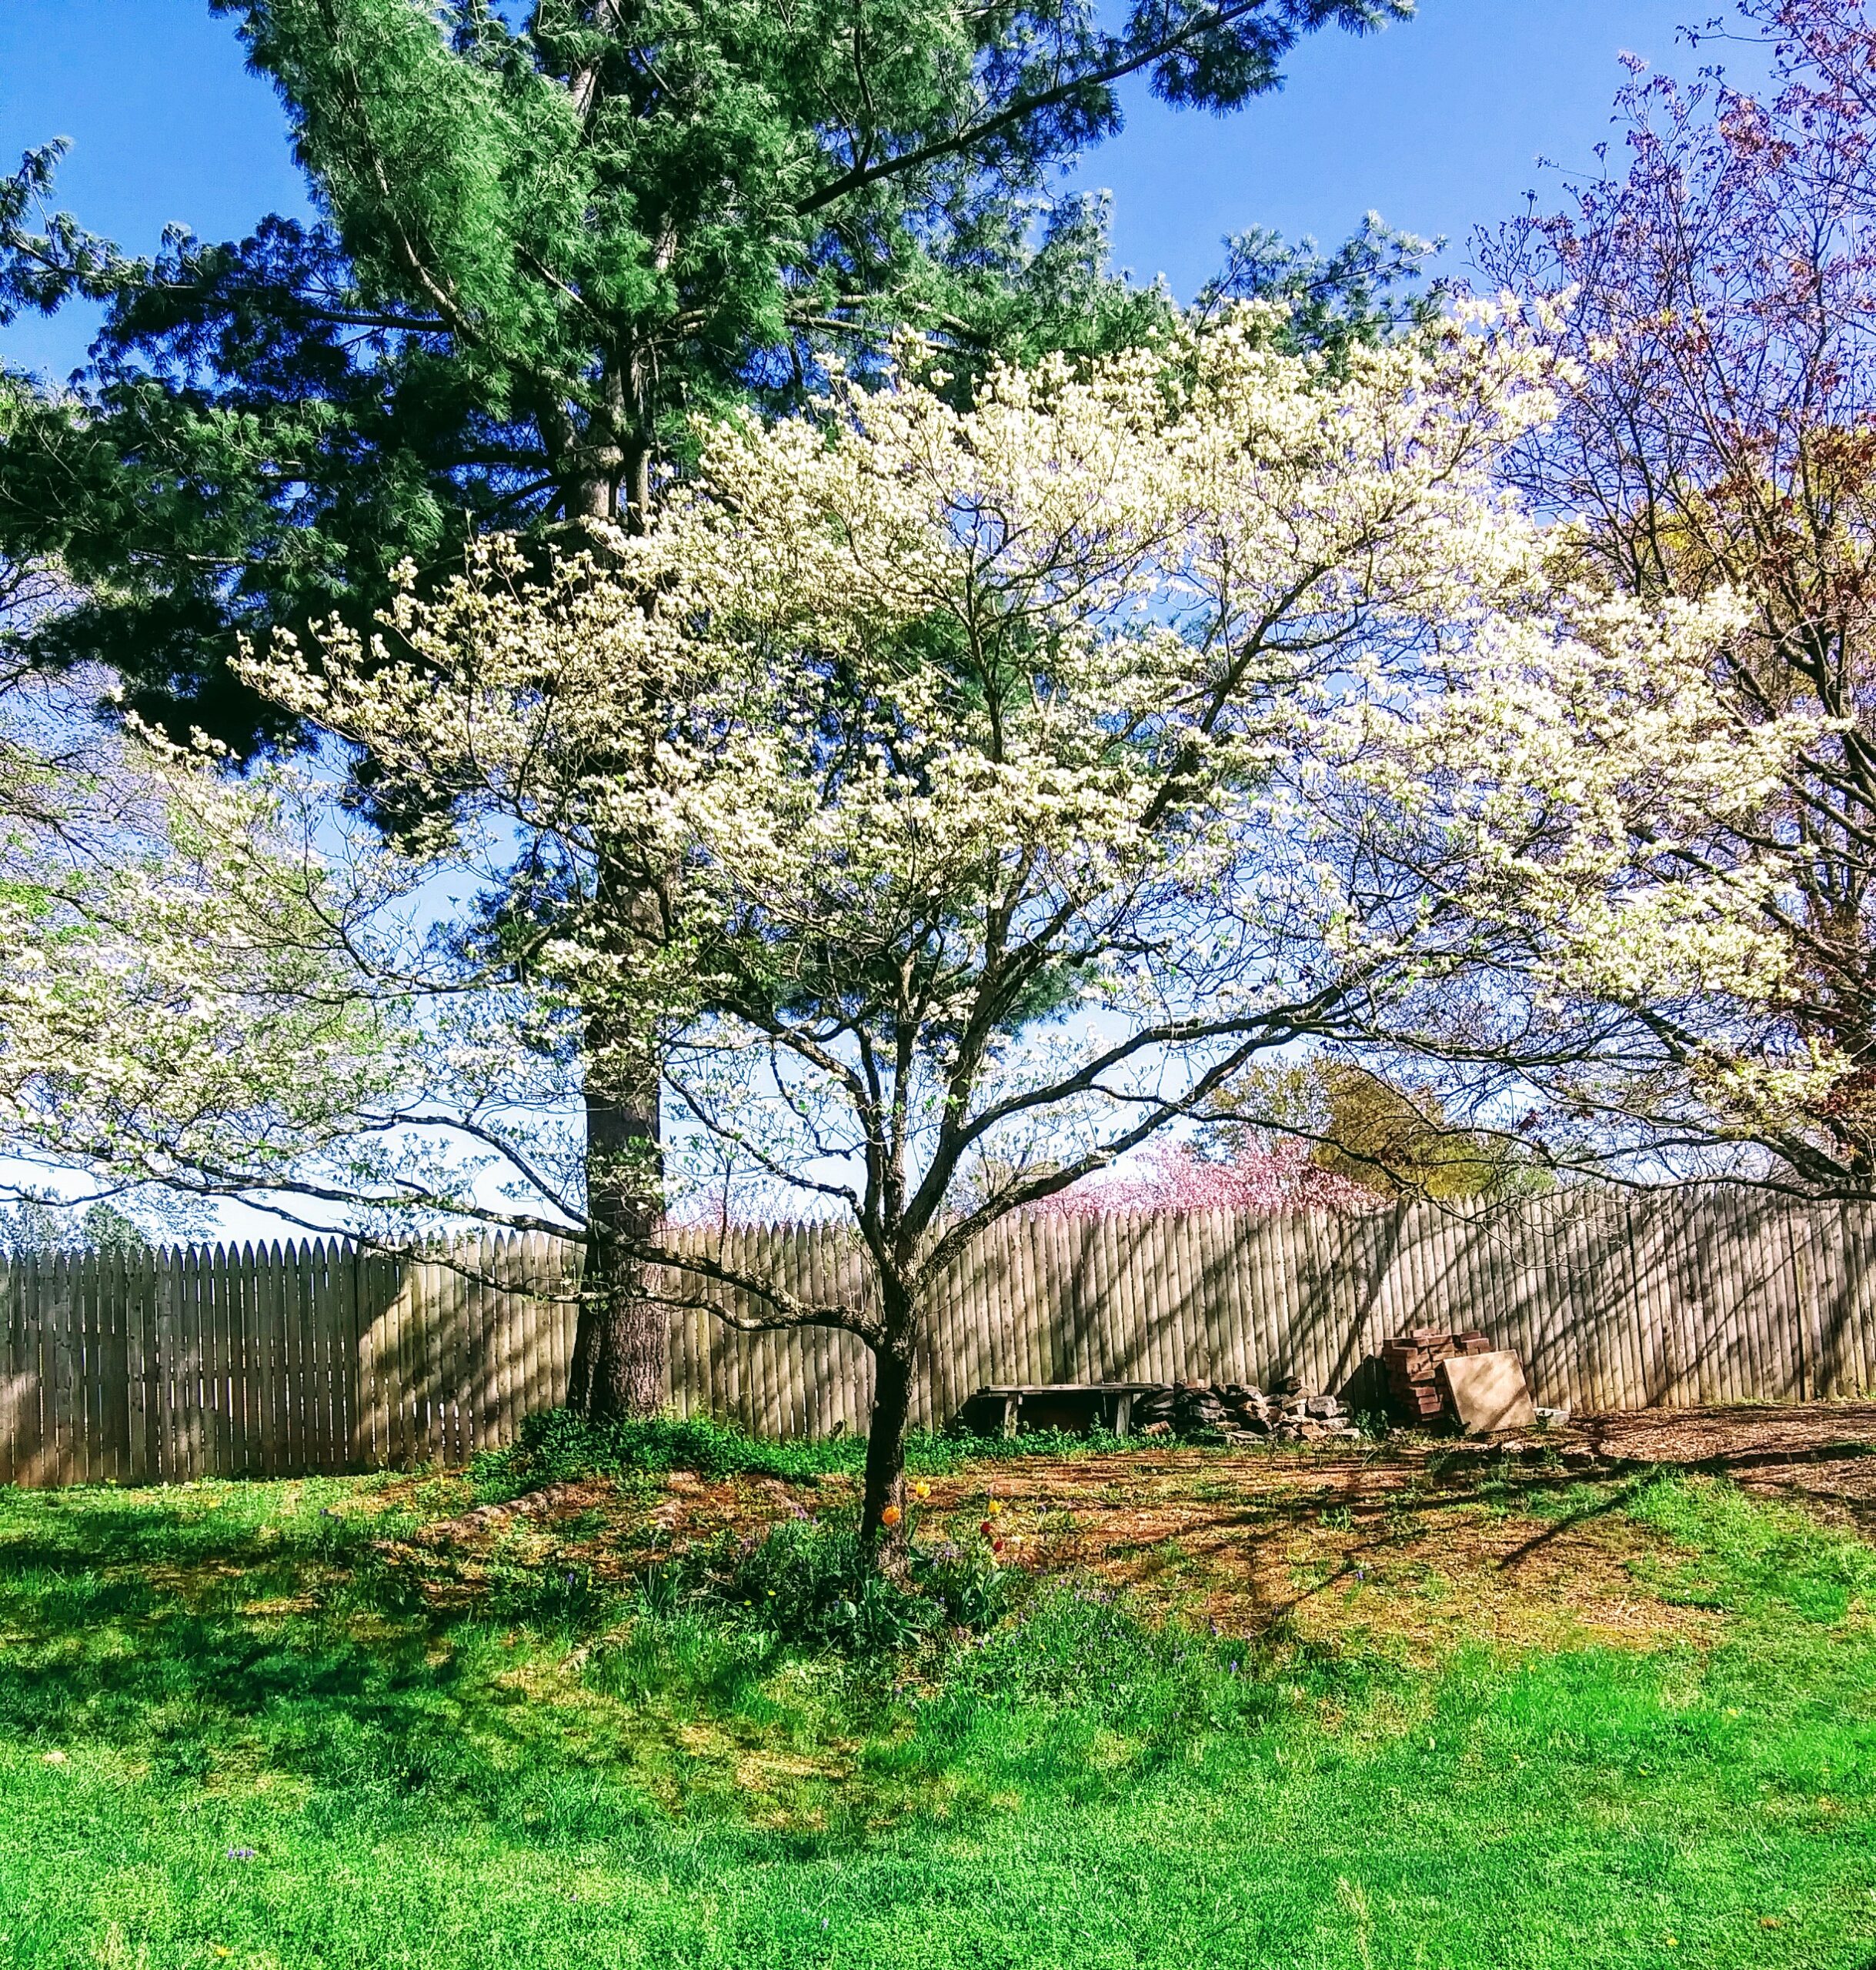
x=383, y=1289
x=289, y=1327
x=515, y=1336
x=341, y=1353
x=413, y=1310
x=284, y=1325
x=1587, y=1265
x=94, y=1443
x=757, y=1364
x=88, y=1296
x=539, y=1389
x=232, y=1331
x=1555, y=1376
x=1212, y=1260
x=187, y=1393
x=531, y=1377
x=33, y=1284
x=218, y=1444
x=177, y=1287
x=1308, y=1324
x=1623, y=1314
x=1616, y=1309
x=315, y=1356
x=87, y=1433
x=207, y=1420
x=814, y=1261
x=1006, y=1287
x=231, y=1392
x=1842, y=1349
x=453, y=1309
x=13, y=1380
x=1298, y=1299
x=1110, y=1319
x=1052, y=1309
x=132, y=1269
x=114, y=1274
x=314, y=1390
x=416, y=1307
x=1139, y=1238
x=537, y=1383
x=68, y=1316
x=483, y=1340
x=372, y=1290
x=764, y=1401
x=53, y=1323
x=753, y=1352
x=1035, y=1313
x=441, y=1324
x=1720, y=1256
x=1755, y=1268
x=1304, y=1294
x=342, y=1312
x=19, y=1383
x=186, y=1378
x=567, y=1272
x=272, y=1315
x=822, y=1283
x=470, y=1354
x=498, y=1343
x=243, y=1284
x=160, y=1346
x=260, y=1303
x=546, y=1267
x=1824, y=1365
x=1847, y=1343
x=1177, y=1284
x=244, y=1325
x=20, y=1366
x=1280, y=1306
x=1795, y=1341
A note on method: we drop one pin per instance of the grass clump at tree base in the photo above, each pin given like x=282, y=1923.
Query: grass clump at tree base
x=557, y=1445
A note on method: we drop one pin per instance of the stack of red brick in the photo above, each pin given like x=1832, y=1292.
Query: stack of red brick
x=1411, y=1361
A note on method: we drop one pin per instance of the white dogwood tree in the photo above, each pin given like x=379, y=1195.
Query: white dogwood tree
x=954, y=800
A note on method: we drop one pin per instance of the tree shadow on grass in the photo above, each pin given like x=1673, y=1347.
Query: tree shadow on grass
x=192, y=1647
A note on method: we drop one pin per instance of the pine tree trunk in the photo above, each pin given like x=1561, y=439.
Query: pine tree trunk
x=623, y=1344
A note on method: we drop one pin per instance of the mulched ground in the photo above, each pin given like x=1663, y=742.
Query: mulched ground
x=1416, y=1544
x=1822, y=1455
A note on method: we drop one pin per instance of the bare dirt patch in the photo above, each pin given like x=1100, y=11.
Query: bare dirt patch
x=1387, y=1545
x=1418, y=1544
x=1821, y=1455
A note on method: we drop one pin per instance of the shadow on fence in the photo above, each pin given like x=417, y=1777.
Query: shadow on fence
x=273, y=1361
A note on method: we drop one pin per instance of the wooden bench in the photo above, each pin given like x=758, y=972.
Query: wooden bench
x=1081, y=1406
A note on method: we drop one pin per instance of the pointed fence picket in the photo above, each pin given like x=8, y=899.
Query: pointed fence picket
x=273, y=1361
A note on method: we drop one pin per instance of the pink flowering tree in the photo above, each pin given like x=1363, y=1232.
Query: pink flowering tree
x=1271, y=1180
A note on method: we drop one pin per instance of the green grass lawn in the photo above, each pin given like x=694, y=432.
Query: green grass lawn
x=268, y=1724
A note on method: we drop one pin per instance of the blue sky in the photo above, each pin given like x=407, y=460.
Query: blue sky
x=1436, y=125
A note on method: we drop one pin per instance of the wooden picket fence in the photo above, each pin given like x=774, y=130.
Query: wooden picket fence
x=272, y=1360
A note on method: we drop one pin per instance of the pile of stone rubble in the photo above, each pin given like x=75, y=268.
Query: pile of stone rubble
x=1286, y=1414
